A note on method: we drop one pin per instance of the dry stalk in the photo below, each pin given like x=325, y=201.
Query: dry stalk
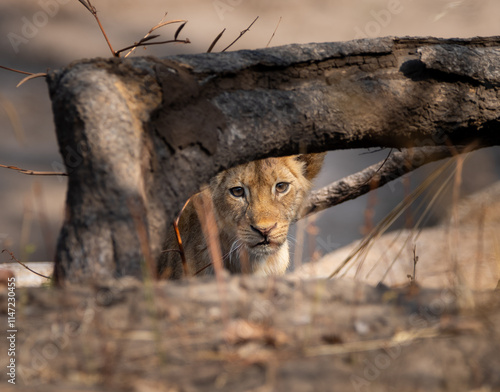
x=214, y=42
x=30, y=76
x=148, y=36
x=274, y=32
x=137, y=213
x=424, y=206
x=42, y=217
x=147, y=43
x=241, y=35
x=88, y=5
x=179, y=240
x=26, y=225
x=16, y=70
x=205, y=210
x=14, y=119
x=391, y=217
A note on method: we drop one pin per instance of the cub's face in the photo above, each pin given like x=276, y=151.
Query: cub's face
x=255, y=203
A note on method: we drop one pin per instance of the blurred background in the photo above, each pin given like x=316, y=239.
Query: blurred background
x=39, y=35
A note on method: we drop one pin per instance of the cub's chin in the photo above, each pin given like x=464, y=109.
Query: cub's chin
x=265, y=248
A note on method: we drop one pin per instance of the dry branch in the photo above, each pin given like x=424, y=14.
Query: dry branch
x=13, y=258
x=396, y=165
x=16, y=70
x=177, y=122
x=33, y=172
x=88, y=5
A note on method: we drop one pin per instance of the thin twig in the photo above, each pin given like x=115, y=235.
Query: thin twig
x=181, y=249
x=179, y=239
x=24, y=265
x=87, y=4
x=241, y=35
x=16, y=70
x=33, y=76
x=274, y=32
x=32, y=172
x=180, y=41
x=203, y=269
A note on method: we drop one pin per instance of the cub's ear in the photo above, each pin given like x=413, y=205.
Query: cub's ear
x=313, y=164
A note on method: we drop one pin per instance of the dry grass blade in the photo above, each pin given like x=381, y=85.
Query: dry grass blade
x=274, y=32
x=14, y=118
x=89, y=6
x=205, y=210
x=214, y=42
x=32, y=172
x=171, y=41
x=24, y=265
x=136, y=210
x=392, y=216
x=179, y=29
x=241, y=35
x=160, y=24
x=34, y=76
x=179, y=240
x=146, y=39
x=428, y=203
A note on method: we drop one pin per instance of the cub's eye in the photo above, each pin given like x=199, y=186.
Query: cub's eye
x=237, y=191
x=282, y=187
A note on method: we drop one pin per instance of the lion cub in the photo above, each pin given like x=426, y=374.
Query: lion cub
x=254, y=205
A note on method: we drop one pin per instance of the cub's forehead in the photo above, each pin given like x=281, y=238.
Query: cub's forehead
x=266, y=171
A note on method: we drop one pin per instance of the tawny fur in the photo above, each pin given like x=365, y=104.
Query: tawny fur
x=242, y=221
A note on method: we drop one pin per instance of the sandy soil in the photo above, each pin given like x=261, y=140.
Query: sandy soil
x=31, y=208
x=249, y=334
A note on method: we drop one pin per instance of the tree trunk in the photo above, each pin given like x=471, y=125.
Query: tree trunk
x=140, y=135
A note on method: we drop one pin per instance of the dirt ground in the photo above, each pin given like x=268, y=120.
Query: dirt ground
x=249, y=334
x=31, y=208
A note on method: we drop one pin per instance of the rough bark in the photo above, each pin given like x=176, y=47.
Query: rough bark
x=140, y=135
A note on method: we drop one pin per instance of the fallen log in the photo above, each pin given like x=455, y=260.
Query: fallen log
x=139, y=136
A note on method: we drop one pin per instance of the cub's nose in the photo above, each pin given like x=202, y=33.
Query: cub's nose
x=264, y=231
